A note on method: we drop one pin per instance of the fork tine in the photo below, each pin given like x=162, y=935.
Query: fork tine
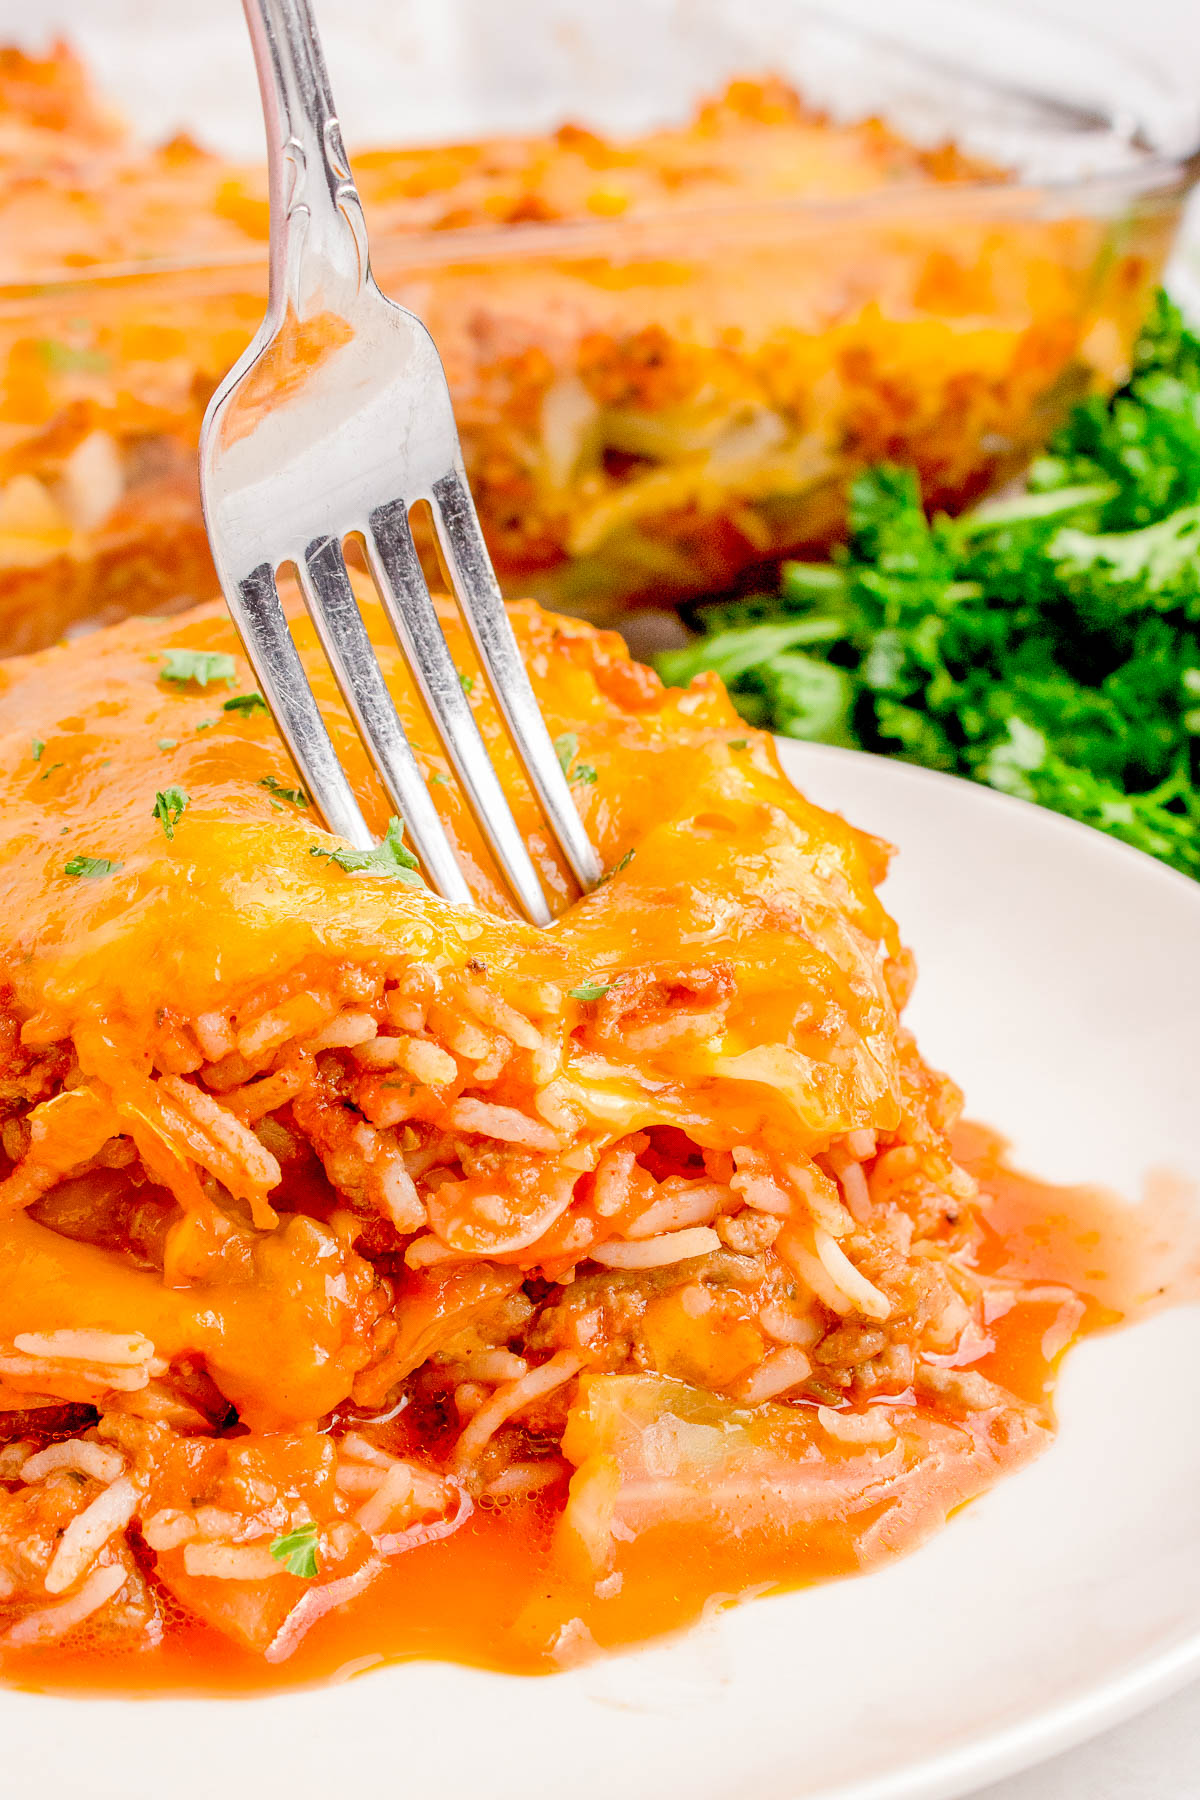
x=259, y=616
x=406, y=598
x=334, y=609
x=483, y=605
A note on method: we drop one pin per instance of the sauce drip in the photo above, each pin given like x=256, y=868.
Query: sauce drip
x=491, y=1594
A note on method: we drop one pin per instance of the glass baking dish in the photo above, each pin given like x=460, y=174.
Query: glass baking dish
x=657, y=397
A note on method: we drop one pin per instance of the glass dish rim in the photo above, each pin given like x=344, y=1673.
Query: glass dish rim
x=1157, y=174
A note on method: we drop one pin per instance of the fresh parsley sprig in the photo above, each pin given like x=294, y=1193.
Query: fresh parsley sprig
x=1047, y=645
x=618, y=867
x=90, y=868
x=390, y=858
x=296, y=796
x=297, y=1550
x=566, y=748
x=169, y=807
x=590, y=990
x=200, y=666
x=245, y=704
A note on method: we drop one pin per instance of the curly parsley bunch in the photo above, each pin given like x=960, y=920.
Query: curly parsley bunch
x=1048, y=645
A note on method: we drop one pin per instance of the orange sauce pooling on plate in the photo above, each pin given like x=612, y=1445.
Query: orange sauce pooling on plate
x=491, y=1594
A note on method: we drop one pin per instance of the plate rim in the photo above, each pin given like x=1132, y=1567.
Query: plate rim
x=992, y=1755
x=1064, y=1725
x=1102, y=842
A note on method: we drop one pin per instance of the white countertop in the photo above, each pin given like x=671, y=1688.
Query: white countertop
x=1154, y=1757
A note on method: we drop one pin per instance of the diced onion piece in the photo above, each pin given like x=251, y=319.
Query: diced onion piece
x=656, y=1253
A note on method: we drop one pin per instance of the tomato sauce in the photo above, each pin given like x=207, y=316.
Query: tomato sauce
x=492, y=1596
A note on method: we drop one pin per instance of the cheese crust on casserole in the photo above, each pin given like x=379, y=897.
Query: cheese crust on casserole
x=329, y=1211
x=667, y=362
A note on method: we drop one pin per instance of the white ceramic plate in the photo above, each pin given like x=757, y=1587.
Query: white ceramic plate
x=1060, y=982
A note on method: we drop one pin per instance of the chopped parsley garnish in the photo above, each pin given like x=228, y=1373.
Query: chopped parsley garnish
x=566, y=748
x=168, y=743
x=47, y=773
x=36, y=748
x=169, y=807
x=438, y=780
x=388, y=858
x=296, y=795
x=467, y=683
x=590, y=990
x=297, y=1550
x=91, y=868
x=1047, y=645
x=245, y=703
x=617, y=867
x=739, y=743
x=200, y=666
x=66, y=358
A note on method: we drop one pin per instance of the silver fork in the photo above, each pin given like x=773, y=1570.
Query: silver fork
x=336, y=420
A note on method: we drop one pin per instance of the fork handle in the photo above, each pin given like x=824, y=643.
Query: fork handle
x=318, y=234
